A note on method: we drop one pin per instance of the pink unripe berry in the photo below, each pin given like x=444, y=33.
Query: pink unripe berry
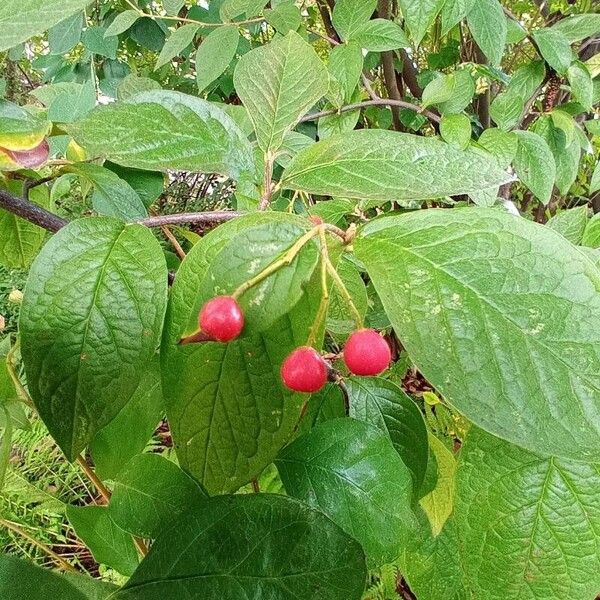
x=221, y=319
x=367, y=353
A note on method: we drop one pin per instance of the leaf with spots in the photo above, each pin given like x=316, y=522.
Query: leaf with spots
x=501, y=315
x=227, y=408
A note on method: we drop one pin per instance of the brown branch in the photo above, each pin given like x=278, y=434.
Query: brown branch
x=409, y=74
x=327, y=23
x=377, y=102
x=31, y=212
x=483, y=102
x=194, y=217
x=389, y=71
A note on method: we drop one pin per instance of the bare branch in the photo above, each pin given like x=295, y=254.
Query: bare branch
x=31, y=212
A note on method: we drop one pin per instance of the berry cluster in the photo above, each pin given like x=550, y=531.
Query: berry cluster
x=366, y=353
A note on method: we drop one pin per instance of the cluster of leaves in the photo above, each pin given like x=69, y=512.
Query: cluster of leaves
x=425, y=134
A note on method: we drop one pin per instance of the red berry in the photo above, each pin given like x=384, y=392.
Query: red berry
x=221, y=319
x=367, y=353
x=304, y=370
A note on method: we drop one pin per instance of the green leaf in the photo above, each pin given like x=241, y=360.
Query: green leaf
x=384, y=405
x=21, y=20
x=133, y=85
x=93, y=589
x=151, y=493
x=284, y=18
x=456, y=130
x=439, y=89
x=431, y=565
x=453, y=12
x=95, y=40
x=21, y=129
x=129, y=432
x=172, y=7
x=176, y=43
x=350, y=15
x=206, y=386
x=215, y=54
x=578, y=27
x=506, y=110
x=21, y=240
x=123, y=21
x=67, y=101
x=570, y=223
x=385, y=165
x=112, y=195
x=581, y=84
x=535, y=165
x=541, y=515
x=555, y=48
x=231, y=9
x=502, y=144
x=439, y=503
x=109, y=544
x=66, y=35
x=419, y=15
x=464, y=90
x=591, y=235
x=22, y=580
x=349, y=470
x=379, y=35
x=345, y=65
x=245, y=256
x=487, y=23
x=166, y=130
x=480, y=321
x=526, y=80
x=251, y=546
x=149, y=185
x=293, y=79
x=90, y=321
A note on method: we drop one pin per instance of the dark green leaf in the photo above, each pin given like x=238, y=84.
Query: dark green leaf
x=535, y=165
x=176, y=43
x=150, y=493
x=123, y=21
x=555, y=48
x=129, y=432
x=109, y=545
x=93, y=38
x=350, y=471
x=90, y=321
x=384, y=405
x=112, y=195
x=251, y=546
x=379, y=35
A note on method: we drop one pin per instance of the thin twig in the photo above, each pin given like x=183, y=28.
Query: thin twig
x=194, y=217
x=186, y=20
x=176, y=245
x=379, y=102
x=106, y=495
x=19, y=531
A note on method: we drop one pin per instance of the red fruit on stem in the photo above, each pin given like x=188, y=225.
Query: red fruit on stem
x=221, y=319
x=367, y=353
x=304, y=370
